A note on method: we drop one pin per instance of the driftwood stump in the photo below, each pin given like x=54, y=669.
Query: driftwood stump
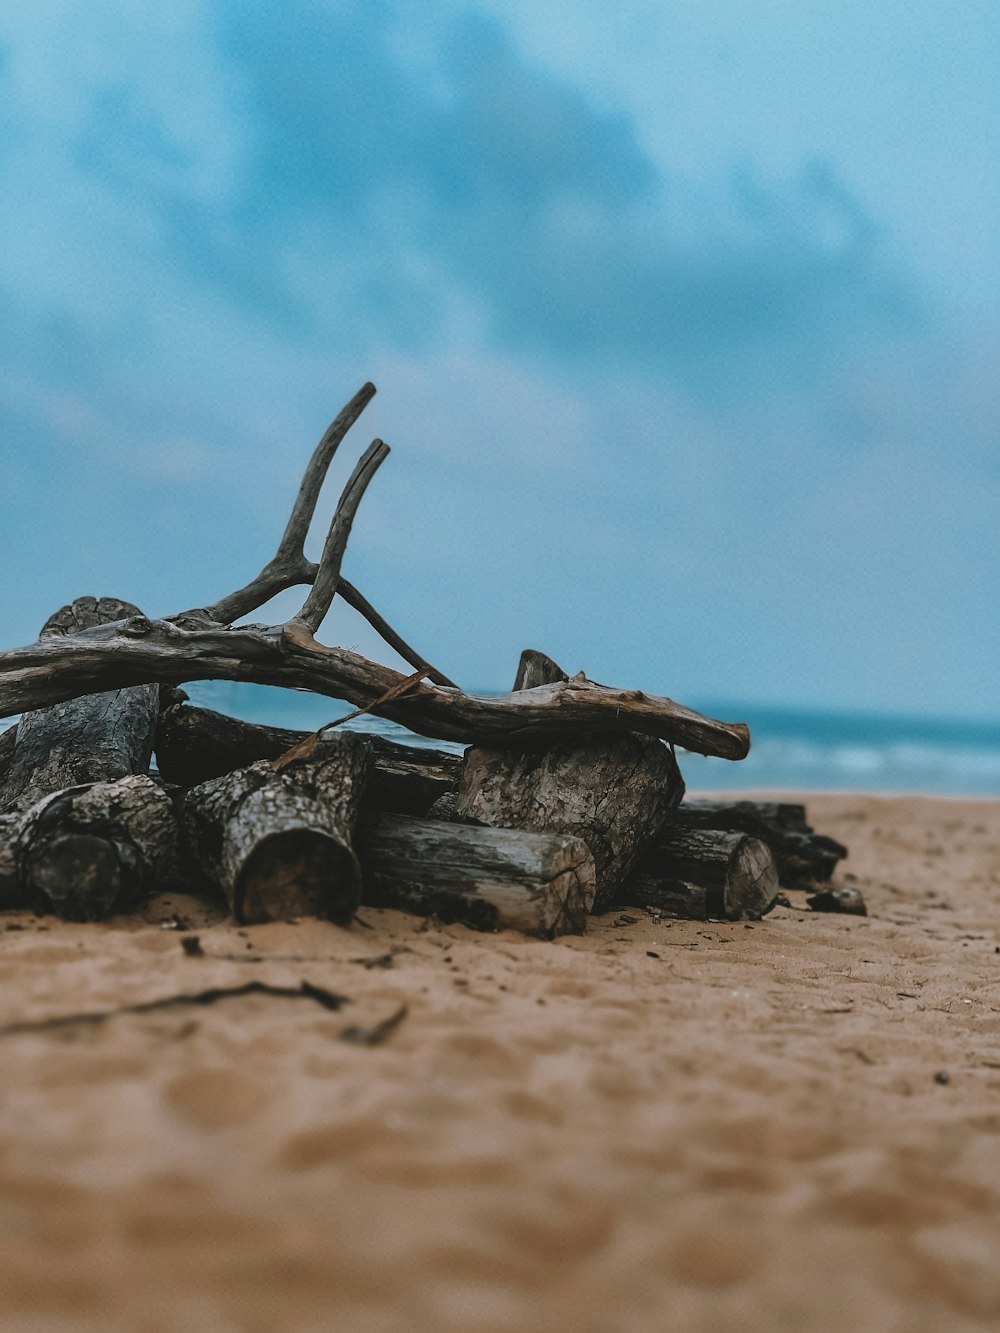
x=94, y=738
x=278, y=843
x=613, y=791
x=489, y=879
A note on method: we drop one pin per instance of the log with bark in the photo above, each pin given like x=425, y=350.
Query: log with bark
x=96, y=738
x=804, y=858
x=278, y=841
x=614, y=792
x=704, y=873
x=489, y=879
x=88, y=851
x=195, y=744
x=204, y=644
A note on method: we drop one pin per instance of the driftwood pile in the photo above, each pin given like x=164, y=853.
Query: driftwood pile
x=568, y=800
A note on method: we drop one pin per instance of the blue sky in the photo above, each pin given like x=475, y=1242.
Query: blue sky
x=685, y=321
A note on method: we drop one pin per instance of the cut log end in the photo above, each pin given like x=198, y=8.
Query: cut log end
x=298, y=872
x=79, y=876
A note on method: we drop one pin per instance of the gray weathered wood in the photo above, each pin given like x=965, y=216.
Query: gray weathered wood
x=737, y=871
x=11, y=893
x=278, y=843
x=95, y=738
x=614, y=792
x=803, y=857
x=537, y=668
x=490, y=879
x=88, y=851
x=8, y=739
x=195, y=744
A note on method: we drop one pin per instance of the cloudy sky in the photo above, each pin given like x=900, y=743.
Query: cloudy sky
x=685, y=320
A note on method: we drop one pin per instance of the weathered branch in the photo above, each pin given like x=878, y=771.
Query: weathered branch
x=324, y=587
x=139, y=650
x=289, y=566
x=362, y=605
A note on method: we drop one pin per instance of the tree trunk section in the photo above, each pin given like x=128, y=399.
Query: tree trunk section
x=736, y=872
x=279, y=843
x=804, y=858
x=95, y=738
x=11, y=893
x=194, y=745
x=86, y=852
x=489, y=879
x=537, y=668
x=614, y=792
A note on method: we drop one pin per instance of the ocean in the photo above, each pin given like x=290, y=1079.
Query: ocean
x=791, y=749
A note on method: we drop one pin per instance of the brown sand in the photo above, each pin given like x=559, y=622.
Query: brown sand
x=655, y=1127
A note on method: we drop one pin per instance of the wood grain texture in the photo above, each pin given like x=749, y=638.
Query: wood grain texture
x=278, y=844
x=488, y=879
x=141, y=650
x=93, y=738
x=196, y=744
x=614, y=792
x=803, y=857
x=738, y=872
x=86, y=852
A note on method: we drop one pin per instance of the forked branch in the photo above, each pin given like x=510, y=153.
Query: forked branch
x=200, y=645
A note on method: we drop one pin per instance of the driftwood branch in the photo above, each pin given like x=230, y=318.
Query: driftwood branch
x=200, y=645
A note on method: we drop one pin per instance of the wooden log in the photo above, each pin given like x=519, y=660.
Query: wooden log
x=278, y=842
x=11, y=894
x=96, y=738
x=8, y=739
x=489, y=879
x=803, y=857
x=734, y=875
x=614, y=792
x=194, y=745
x=88, y=851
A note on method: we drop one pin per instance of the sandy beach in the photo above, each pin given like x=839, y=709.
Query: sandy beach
x=792, y=1125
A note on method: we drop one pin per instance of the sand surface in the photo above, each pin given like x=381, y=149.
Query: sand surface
x=654, y=1127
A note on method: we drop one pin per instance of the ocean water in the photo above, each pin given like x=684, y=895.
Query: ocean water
x=793, y=750
x=790, y=750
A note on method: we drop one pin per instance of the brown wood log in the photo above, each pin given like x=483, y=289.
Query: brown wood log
x=278, y=842
x=614, y=792
x=88, y=851
x=718, y=874
x=489, y=879
x=804, y=858
x=95, y=738
x=194, y=745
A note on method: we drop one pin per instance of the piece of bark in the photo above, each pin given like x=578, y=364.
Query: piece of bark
x=11, y=893
x=803, y=857
x=489, y=879
x=194, y=745
x=736, y=871
x=8, y=739
x=537, y=668
x=95, y=738
x=278, y=843
x=85, y=852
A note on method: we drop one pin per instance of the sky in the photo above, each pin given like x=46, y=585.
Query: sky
x=685, y=320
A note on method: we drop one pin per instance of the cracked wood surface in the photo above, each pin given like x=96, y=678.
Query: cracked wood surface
x=488, y=879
